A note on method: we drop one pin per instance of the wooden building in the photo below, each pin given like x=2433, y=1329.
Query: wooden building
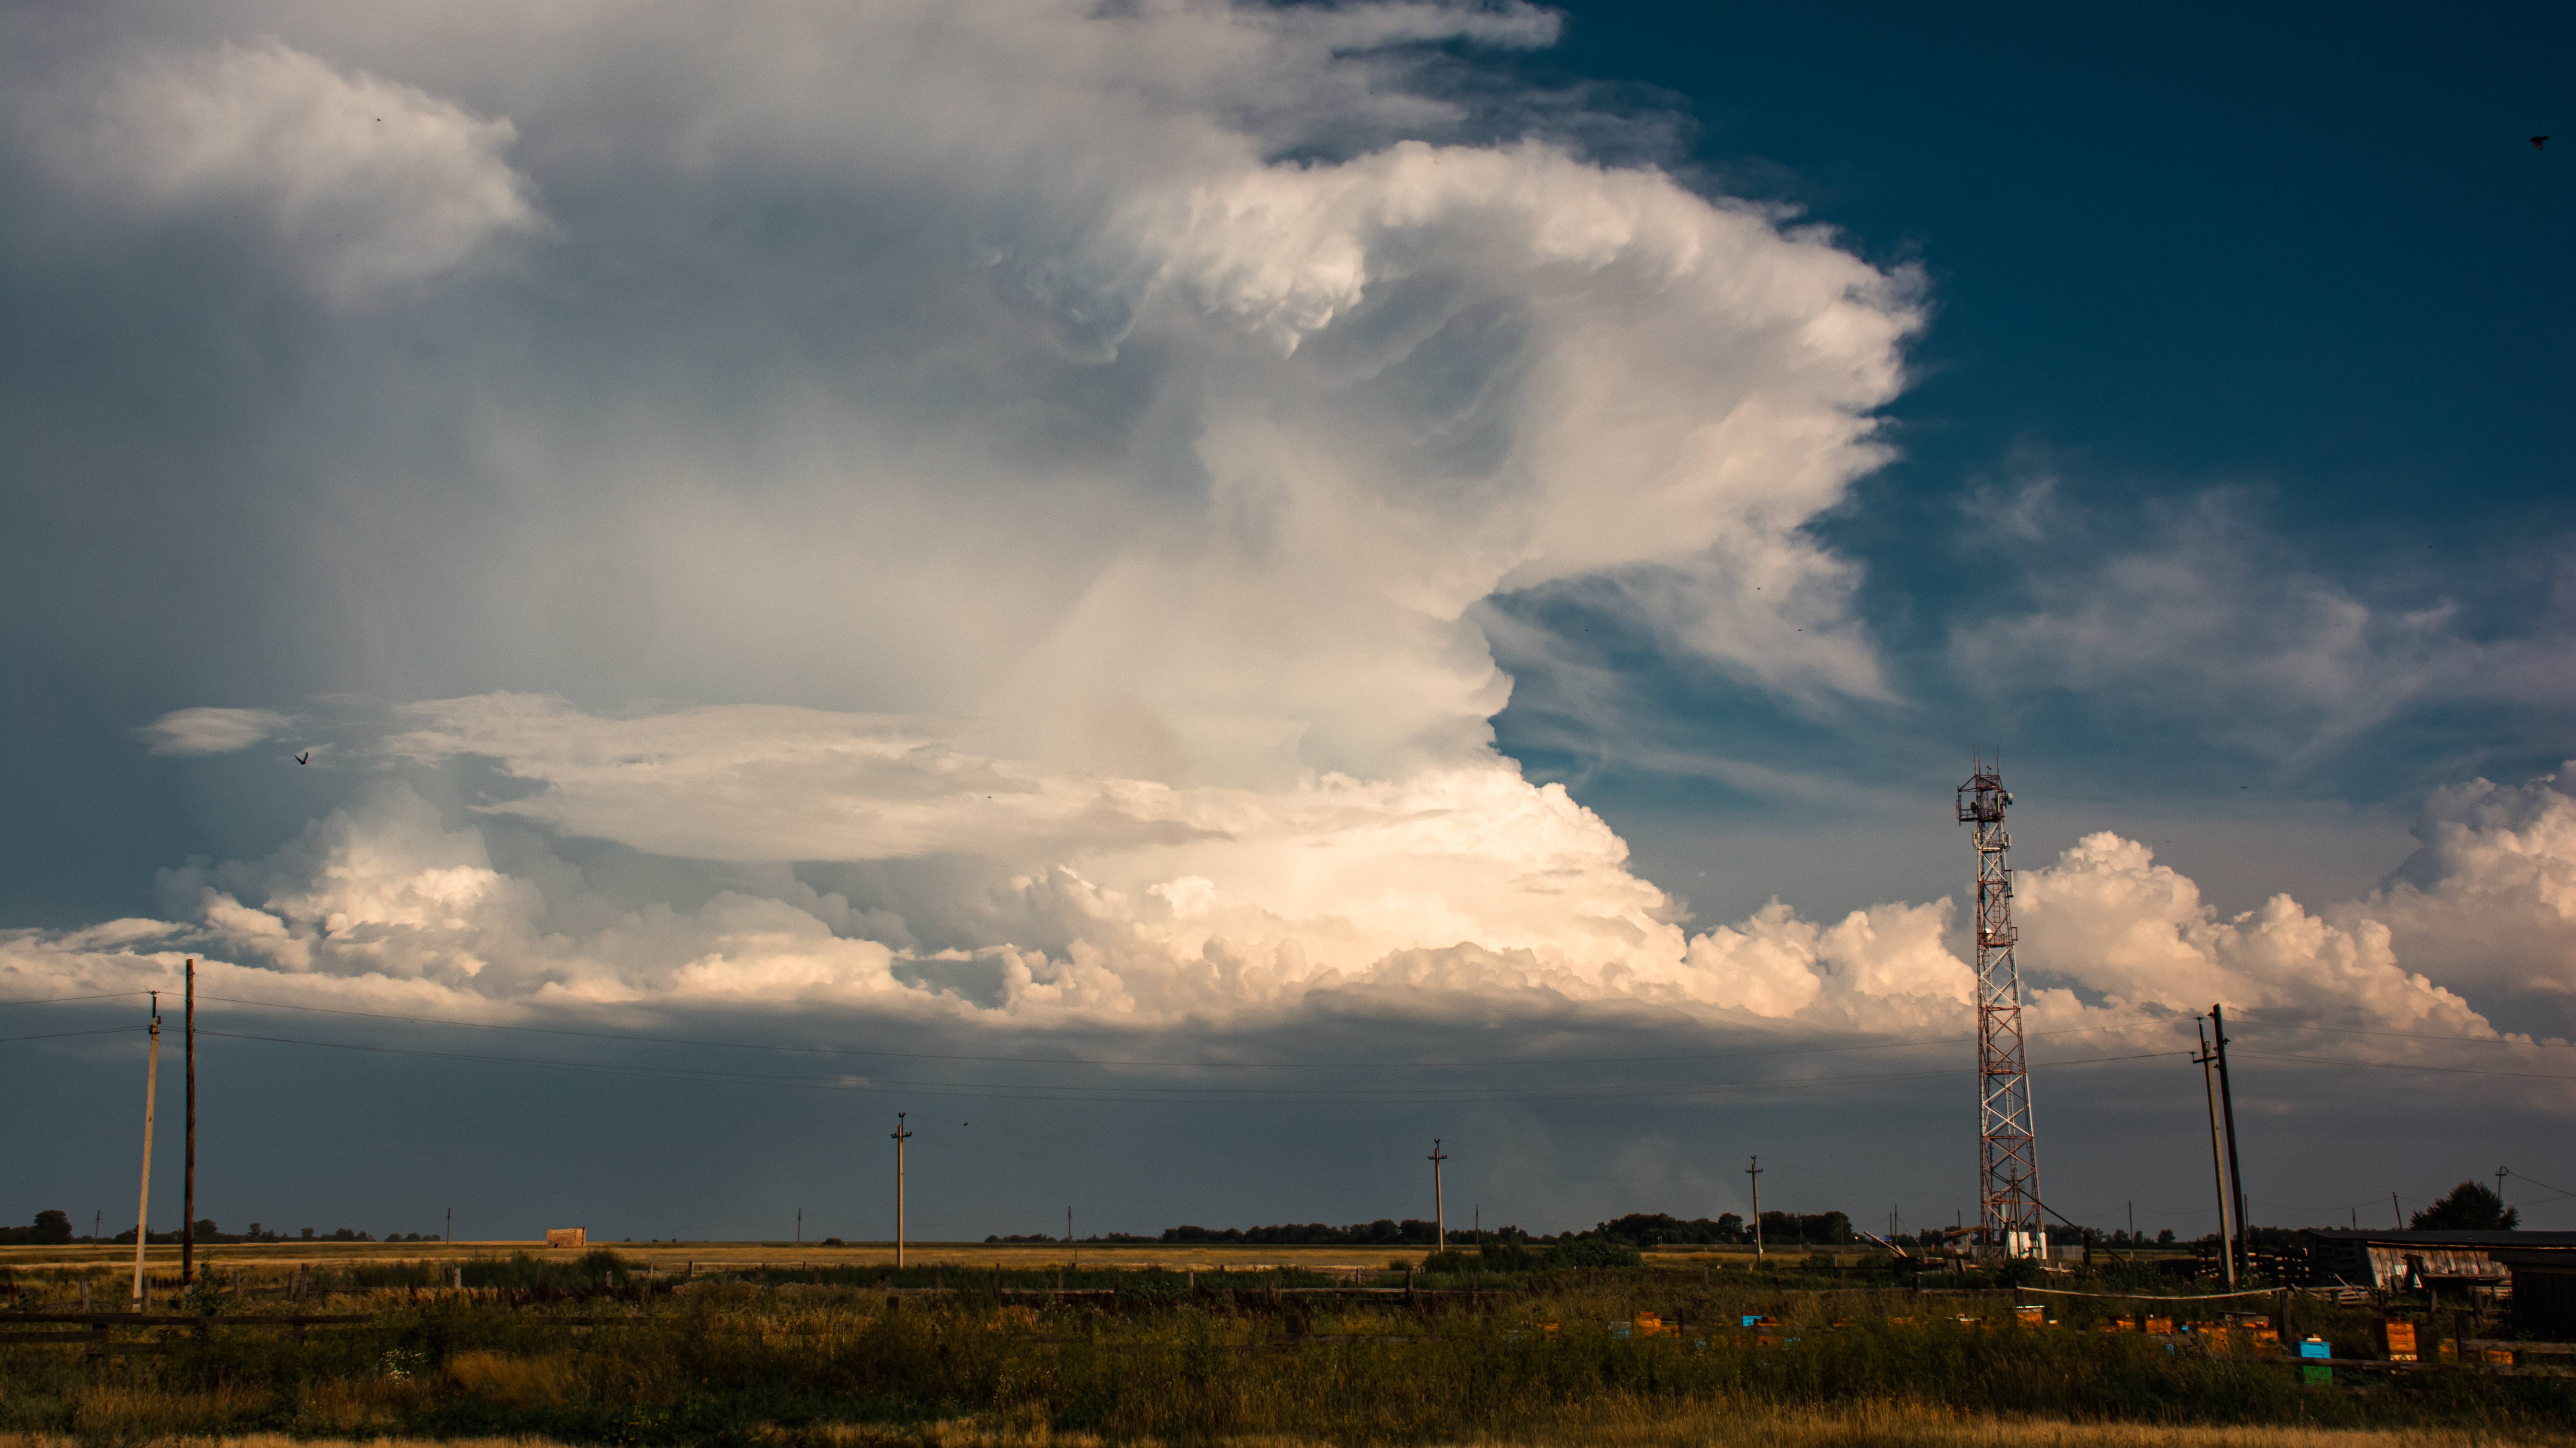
x=2401, y=1261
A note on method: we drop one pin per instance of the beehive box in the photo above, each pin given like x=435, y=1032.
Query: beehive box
x=2397, y=1339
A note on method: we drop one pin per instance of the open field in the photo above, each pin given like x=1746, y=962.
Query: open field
x=596, y=1348
x=1728, y=1425
x=675, y=1256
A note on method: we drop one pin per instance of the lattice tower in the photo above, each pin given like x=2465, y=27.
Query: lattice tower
x=2007, y=1143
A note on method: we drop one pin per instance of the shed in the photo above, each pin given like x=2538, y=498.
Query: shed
x=2405, y=1261
x=2544, y=1290
x=567, y=1237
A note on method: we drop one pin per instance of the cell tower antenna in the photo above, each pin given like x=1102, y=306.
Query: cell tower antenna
x=2007, y=1142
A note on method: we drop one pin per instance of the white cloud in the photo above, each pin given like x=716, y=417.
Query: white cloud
x=210, y=731
x=364, y=183
x=2108, y=918
x=1067, y=452
x=2210, y=618
x=2488, y=899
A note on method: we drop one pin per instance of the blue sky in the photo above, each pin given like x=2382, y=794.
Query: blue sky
x=670, y=523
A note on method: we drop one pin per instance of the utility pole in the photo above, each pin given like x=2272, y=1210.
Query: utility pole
x=902, y=1134
x=2007, y=1137
x=2217, y=1153
x=451, y=1226
x=800, y=1226
x=2501, y=1174
x=1439, y=1202
x=1068, y=1225
x=1753, y=1174
x=2397, y=1211
x=143, y=1211
x=188, y=1192
x=2227, y=1107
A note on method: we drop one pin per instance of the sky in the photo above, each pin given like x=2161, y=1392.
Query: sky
x=1198, y=596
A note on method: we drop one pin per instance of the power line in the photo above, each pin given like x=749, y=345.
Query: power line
x=2403, y=1035
x=1132, y=1094
x=58, y=1035
x=114, y=995
x=1887, y=1045
x=2410, y=1066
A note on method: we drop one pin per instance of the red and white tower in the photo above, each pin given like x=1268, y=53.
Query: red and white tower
x=2007, y=1144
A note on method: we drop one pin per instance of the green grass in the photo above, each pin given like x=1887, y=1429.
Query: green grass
x=778, y=1356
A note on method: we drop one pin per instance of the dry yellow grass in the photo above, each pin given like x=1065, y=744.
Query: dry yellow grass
x=163, y=1261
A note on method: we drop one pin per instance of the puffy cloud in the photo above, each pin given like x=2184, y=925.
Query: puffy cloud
x=2488, y=898
x=364, y=183
x=210, y=731
x=2134, y=933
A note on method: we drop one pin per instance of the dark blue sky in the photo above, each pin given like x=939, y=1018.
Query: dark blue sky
x=2307, y=267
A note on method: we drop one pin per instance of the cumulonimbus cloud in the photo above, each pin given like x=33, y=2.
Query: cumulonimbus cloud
x=1079, y=484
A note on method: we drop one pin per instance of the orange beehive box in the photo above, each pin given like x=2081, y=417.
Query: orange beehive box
x=2397, y=1339
x=2160, y=1324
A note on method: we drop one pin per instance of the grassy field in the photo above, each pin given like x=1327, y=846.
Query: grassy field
x=812, y=1349
x=675, y=1255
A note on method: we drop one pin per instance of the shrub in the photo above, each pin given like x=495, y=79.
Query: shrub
x=1591, y=1251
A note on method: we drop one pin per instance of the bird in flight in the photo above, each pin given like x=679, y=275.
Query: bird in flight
x=2537, y=142
x=305, y=758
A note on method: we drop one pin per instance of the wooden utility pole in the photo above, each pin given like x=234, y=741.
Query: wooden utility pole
x=2227, y=1110
x=451, y=1226
x=1068, y=1224
x=1439, y=1202
x=1753, y=1174
x=2218, y=1157
x=188, y=1192
x=143, y=1210
x=902, y=1134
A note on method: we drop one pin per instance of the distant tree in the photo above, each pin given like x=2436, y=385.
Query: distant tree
x=2469, y=1208
x=51, y=1229
x=2165, y=1237
x=1592, y=1251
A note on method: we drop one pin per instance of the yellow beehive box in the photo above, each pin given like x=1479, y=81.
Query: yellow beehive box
x=2397, y=1339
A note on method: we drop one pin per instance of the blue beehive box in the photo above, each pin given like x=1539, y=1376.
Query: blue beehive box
x=2312, y=1368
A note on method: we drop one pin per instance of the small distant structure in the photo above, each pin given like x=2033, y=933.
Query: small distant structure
x=567, y=1237
x=2544, y=1289
x=2411, y=1261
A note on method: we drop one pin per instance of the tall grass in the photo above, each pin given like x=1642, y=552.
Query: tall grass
x=773, y=1358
